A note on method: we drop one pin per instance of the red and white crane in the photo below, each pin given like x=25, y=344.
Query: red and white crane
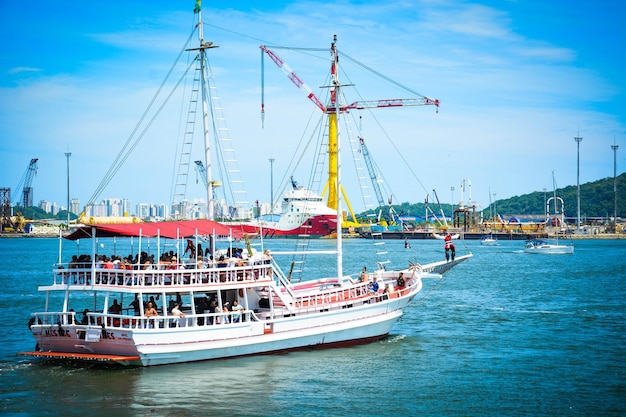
x=331, y=110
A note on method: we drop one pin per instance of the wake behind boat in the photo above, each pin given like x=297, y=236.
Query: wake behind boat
x=156, y=307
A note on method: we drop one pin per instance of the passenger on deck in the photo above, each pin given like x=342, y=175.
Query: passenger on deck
x=222, y=262
x=226, y=312
x=211, y=309
x=374, y=286
x=115, y=308
x=180, y=317
x=150, y=310
x=123, y=264
x=363, y=275
x=73, y=262
x=176, y=311
x=400, y=282
x=85, y=319
x=237, y=310
x=191, y=249
x=135, y=305
x=386, y=292
x=217, y=310
x=450, y=251
x=153, y=301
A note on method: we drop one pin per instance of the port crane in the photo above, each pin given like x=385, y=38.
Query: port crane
x=391, y=218
x=25, y=184
x=200, y=168
x=333, y=108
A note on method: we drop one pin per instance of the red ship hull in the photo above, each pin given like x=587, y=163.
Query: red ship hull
x=317, y=226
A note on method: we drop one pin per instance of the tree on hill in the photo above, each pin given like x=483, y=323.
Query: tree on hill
x=36, y=213
x=596, y=200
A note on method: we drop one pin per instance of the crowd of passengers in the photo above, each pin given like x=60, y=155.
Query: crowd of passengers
x=224, y=313
x=205, y=305
x=167, y=260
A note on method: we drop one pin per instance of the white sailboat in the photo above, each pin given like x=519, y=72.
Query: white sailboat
x=544, y=247
x=489, y=239
x=151, y=310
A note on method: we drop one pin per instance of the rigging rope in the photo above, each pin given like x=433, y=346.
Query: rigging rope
x=129, y=146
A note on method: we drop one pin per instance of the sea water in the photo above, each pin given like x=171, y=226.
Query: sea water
x=505, y=333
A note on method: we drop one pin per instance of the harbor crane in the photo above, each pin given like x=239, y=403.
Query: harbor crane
x=333, y=108
x=376, y=184
x=25, y=184
x=203, y=174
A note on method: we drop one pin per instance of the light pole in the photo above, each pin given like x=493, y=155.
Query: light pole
x=614, y=147
x=578, y=139
x=271, y=186
x=452, y=202
x=545, y=204
x=495, y=209
x=67, y=155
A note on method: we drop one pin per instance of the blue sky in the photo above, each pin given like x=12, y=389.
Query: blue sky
x=517, y=80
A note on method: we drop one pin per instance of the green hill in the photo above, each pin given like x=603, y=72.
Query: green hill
x=596, y=200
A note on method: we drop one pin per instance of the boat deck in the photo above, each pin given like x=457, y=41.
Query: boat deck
x=134, y=279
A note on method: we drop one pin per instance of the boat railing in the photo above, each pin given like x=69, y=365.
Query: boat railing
x=107, y=320
x=339, y=296
x=162, y=277
x=54, y=318
x=189, y=320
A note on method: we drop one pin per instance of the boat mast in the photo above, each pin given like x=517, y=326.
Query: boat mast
x=557, y=221
x=334, y=160
x=205, y=115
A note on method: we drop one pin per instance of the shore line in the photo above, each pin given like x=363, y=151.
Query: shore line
x=599, y=236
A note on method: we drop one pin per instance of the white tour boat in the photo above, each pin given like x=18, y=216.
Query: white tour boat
x=95, y=312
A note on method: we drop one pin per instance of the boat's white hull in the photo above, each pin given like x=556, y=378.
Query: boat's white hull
x=551, y=249
x=159, y=346
x=351, y=332
x=489, y=242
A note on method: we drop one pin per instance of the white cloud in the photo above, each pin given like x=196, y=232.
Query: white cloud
x=19, y=70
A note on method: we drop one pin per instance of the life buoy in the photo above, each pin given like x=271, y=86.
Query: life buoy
x=241, y=292
x=32, y=321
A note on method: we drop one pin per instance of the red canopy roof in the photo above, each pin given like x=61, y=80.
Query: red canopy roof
x=172, y=230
